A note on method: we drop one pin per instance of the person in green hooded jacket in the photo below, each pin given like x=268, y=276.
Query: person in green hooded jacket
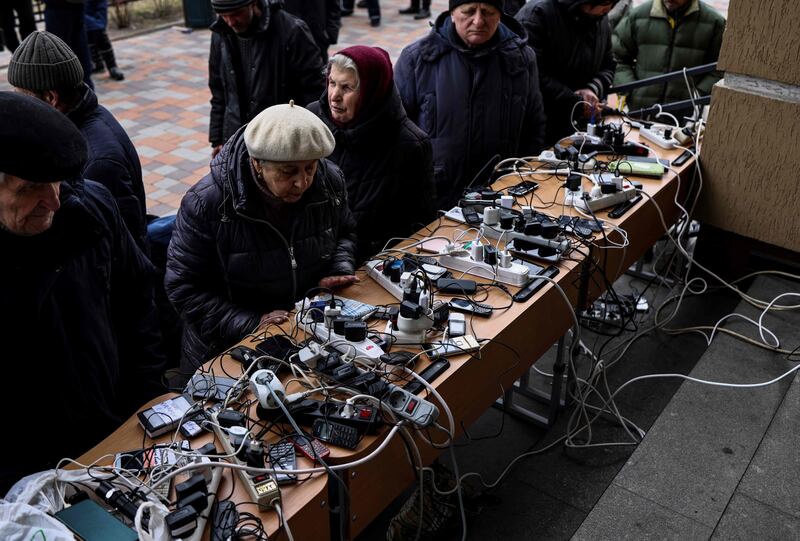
x=660, y=36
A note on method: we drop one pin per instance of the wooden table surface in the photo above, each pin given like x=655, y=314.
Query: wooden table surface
x=517, y=337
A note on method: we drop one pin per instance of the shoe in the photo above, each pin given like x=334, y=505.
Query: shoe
x=410, y=10
x=115, y=74
x=98, y=68
x=375, y=21
x=346, y=12
x=361, y=4
x=423, y=14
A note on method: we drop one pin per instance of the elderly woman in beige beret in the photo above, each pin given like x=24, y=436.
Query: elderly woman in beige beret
x=267, y=224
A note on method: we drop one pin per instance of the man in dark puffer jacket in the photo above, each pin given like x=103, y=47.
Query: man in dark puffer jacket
x=44, y=66
x=245, y=246
x=261, y=55
x=78, y=320
x=572, y=41
x=474, y=99
x=386, y=158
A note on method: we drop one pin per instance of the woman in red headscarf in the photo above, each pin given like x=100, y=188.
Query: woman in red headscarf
x=385, y=157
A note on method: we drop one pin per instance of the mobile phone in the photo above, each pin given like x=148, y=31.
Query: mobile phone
x=312, y=448
x=144, y=460
x=281, y=457
x=535, y=284
x=190, y=429
x=471, y=307
x=279, y=347
x=433, y=371
x=471, y=216
x=336, y=433
x=452, y=346
x=91, y=522
x=456, y=325
x=524, y=187
x=623, y=207
x=164, y=416
x=684, y=157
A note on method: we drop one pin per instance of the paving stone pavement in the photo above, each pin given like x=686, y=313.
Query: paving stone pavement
x=163, y=102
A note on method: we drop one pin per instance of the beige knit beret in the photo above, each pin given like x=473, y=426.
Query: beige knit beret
x=288, y=133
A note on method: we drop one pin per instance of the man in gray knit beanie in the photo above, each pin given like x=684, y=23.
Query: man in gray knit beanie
x=44, y=66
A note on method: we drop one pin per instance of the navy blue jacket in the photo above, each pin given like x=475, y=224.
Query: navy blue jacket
x=95, y=15
x=473, y=103
x=113, y=162
x=78, y=329
x=234, y=257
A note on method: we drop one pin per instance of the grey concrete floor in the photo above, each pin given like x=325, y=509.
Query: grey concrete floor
x=594, y=493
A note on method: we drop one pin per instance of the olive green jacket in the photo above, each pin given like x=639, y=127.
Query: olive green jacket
x=649, y=42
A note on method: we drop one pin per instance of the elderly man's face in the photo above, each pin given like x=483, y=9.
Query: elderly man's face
x=240, y=20
x=27, y=208
x=287, y=181
x=475, y=23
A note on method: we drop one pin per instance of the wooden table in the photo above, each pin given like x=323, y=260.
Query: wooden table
x=470, y=385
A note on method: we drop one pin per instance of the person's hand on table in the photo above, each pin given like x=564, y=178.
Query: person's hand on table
x=595, y=105
x=276, y=317
x=333, y=282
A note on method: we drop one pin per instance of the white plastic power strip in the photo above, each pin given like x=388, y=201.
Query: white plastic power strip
x=366, y=348
x=609, y=200
x=395, y=289
x=515, y=275
x=655, y=134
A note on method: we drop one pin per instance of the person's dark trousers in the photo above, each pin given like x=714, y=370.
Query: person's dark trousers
x=426, y=5
x=101, y=50
x=373, y=8
x=24, y=11
x=65, y=20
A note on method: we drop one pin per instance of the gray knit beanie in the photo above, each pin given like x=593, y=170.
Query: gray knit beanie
x=44, y=62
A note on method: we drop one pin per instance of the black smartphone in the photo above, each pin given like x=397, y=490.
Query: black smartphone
x=433, y=371
x=470, y=307
x=524, y=187
x=684, y=157
x=278, y=346
x=535, y=284
x=623, y=207
x=471, y=216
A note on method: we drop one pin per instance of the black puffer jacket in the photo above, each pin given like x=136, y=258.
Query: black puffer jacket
x=323, y=18
x=78, y=328
x=388, y=163
x=573, y=52
x=286, y=66
x=228, y=263
x=472, y=103
x=113, y=162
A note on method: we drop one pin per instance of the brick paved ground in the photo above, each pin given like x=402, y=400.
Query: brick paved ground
x=163, y=103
